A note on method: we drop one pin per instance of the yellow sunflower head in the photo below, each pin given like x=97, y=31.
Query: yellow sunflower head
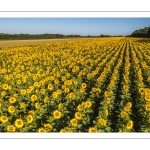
x=83, y=85
x=12, y=100
x=22, y=105
x=57, y=114
x=54, y=94
x=5, y=86
x=74, y=122
x=41, y=130
x=148, y=107
x=37, y=105
x=29, y=118
x=50, y=86
x=88, y=104
x=48, y=127
x=23, y=91
x=19, y=123
x=129, y=124
x=11, y=128
x=33, y=98
x=80, y=107
x=102, y=122
x=4, y=119
x=92, y=129
x=11, y=109
x=78, y=115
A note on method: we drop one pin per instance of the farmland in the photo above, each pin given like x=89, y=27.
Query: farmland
x=9, y=43
x=86, y=85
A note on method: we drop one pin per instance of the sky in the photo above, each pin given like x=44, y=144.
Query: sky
x=79, y=26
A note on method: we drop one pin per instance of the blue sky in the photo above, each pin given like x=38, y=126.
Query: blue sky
x=82, y=26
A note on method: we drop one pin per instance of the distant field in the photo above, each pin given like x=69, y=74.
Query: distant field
x=9, y=43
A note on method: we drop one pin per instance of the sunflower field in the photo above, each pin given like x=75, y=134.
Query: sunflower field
x=89, y=85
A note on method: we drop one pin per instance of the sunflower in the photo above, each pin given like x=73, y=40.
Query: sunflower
x=92, y=130
x=75, y=82
x=46, y=99
x=23, y=91
x=125, y=87
x=106, y=112
x=63, y=131
x=129, y=105
x=72, y=95
x=74, y=122
x=148, y=107
x=111, y=84
x=33, y=98
x=63, y=87
x=11, y=109
x=29, y=118
x=5, y=86
x=80, y=107
x=63, y=78
x=3, y=93
x=56, y=81
x=98, y=90
x=88, y=104
x=31, y=112
x=36, y=84
x=16, y=95
x=82, y=90
x=141, y=85
x=107, y=93
x=66, y=82
x=50, y=87
x=83, y=104
x=129, y=124
x=78, y=115
x=88, y=75
x=48, y=127
x=11, y=128
x=60, y=105
x=41, y=130
x=123, y=114
x=66, y=90
x=83, y=85
x=67, y=74
x=57, y=114
x=102, y=122
x=22, y=105
x=18, y=81
x=37, y=105
x=69, y=82
x=107, y=100
x=94, y=89
x=54, y=94
x=4, y=119
x=19, y=123
x=10, y=87
x=126, y=108
x=141, y=90
x=147, y=98
x=12, y=100
x=59, y=91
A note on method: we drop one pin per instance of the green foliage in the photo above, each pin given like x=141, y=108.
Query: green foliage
x=145, y=32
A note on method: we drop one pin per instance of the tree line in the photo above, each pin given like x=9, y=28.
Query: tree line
x=145, y=32
x=4, y=36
